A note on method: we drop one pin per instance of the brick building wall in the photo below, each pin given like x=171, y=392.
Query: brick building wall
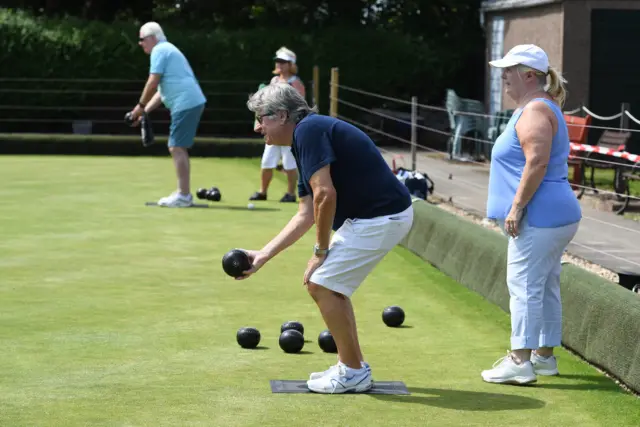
x=540, y=25
x=561, y=28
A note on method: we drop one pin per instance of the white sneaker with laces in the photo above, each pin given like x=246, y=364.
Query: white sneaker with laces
x=546, y=366
x=316, y=375
x=176, y=200
x=342, y=380
x=507, y=371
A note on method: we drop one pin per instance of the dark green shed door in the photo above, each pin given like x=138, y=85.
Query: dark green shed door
x=615, y=68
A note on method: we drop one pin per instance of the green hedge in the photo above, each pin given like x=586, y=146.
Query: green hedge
x=600, y=318
x=124, y=145
x=471, y=255
x=383, y=62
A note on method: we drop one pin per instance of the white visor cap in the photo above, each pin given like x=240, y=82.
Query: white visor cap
x=529, y=55
x=285, y=55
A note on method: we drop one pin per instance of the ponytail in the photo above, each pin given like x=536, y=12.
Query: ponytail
x=556, y=87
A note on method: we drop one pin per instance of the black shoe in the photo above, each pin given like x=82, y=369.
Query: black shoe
x=288, y=198
x=258, y=196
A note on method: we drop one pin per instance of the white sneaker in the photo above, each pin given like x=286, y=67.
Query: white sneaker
x=342, y=380
x=547, y=366
x=316, y=375
x=507, y=371
x=176, y=200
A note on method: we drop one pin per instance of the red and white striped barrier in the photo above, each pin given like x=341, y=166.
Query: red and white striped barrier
x=633, y=158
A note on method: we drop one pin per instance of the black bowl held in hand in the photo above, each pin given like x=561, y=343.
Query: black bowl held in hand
x=128, y=119
x=235, y=262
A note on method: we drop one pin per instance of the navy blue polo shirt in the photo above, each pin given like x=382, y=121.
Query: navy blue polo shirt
x=365, y=185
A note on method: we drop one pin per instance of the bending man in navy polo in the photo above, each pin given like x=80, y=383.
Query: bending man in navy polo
x=346, y=186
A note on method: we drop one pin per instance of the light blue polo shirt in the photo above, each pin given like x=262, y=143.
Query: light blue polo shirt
x=179, y=87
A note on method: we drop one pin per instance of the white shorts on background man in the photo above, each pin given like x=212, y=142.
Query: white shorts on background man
x=273, y=153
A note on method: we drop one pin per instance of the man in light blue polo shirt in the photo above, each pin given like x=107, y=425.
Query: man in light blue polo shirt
x=172, y=82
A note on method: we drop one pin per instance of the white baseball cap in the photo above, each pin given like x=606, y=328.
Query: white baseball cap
x=286, y=55
x=524, y=54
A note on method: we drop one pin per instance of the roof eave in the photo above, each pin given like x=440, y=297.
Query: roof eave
x=498, y=5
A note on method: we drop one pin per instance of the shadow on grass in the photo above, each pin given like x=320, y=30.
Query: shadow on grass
x=586, y=382
x=213, y=206
x=243, y=208
x=461, y=400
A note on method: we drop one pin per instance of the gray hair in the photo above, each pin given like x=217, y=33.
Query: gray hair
x=153, y=29
x=280, y=97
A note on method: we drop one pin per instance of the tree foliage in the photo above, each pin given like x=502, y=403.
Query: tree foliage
x=396, y=47
x=429, y=18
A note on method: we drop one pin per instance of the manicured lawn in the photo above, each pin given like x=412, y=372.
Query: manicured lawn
x=117, y=314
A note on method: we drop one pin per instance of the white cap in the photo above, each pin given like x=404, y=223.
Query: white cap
x=524, y=54
x=286, y=55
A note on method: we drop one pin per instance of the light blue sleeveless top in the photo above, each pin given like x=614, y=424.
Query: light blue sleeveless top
x=553, y=204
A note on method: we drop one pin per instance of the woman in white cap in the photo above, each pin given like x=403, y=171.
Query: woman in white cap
x=532, y=200
x=286, y=71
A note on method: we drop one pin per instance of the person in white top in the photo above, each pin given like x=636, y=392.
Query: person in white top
x=286, y=71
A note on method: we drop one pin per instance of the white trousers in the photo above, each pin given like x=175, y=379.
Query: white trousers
x=533, y=279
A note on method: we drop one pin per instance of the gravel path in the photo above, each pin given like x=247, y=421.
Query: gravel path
x=566, y=258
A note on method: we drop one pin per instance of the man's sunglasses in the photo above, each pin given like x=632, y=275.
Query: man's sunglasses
x=261, y=116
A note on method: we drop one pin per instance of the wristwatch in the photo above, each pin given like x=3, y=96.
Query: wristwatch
x=319, y=252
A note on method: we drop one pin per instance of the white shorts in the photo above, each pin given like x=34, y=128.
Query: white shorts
x=273, y=153
x=357, y=247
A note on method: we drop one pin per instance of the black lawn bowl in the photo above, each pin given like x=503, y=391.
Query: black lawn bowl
x=213, y=194
x=291, y=341
x=326, y=342
x=292, y=325
x=235, y=262
x=393, y=316
x=248, y=337
x=202, y=193
x=128, y=119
